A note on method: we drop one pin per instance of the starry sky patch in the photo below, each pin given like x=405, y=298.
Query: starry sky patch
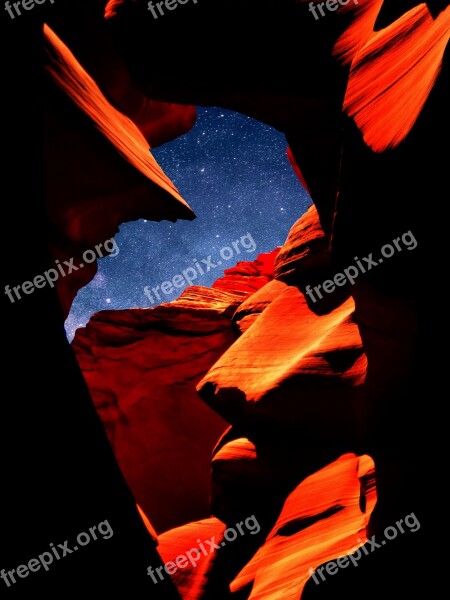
x=234, y=173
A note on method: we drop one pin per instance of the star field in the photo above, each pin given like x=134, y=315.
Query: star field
x=234, y=173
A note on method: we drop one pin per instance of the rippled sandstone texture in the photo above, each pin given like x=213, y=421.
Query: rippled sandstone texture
x=364, y=115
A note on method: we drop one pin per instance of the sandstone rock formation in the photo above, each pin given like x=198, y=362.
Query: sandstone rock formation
x=320, y=519
x=362, y=97
x=90, y=146
x=287, y=367
x=142, y=367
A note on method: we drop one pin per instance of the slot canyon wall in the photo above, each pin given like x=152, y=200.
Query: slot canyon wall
x=247, y=398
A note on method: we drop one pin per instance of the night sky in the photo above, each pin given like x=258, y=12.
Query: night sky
x=234, y=173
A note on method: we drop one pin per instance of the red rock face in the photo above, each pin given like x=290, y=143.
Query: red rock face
x=142, y=379
x=288, y=367
x=302, y=384
x=248, y=277
x=142, y=367
x=306, y=251
x=290, y=361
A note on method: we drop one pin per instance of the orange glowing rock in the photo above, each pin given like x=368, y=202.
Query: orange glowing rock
x=142, y=366
x=393, y=73
x=320, y=520
x=99, y=170
x=290, y=367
